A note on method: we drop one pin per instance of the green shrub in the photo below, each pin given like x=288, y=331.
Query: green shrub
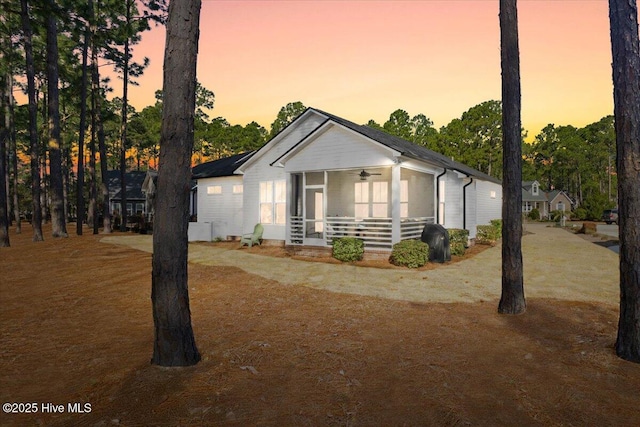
x=497, y=226
x=458, y=235
x=487, y=235
x=579, y=214
x=410, y=253
x=534, y=214
x=457, y=248
x=556, y=216
x=348, y=249
x=458, y=241
x=594, y=204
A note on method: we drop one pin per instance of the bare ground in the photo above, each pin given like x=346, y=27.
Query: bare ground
x=76, y=326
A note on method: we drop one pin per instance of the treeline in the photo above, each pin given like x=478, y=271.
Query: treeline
x=57, y=147
x=579, y=161
x=53, y=51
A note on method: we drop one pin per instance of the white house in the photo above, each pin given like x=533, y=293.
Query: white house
x=324, y=177
x=219, y=199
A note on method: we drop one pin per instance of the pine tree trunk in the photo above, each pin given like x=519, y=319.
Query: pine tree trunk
x=93, y=186
x=58, y=221
x=66, y=161
x=625, y=46
x=512, y=300
x=96, y=122
x=174, y=343
x=4, y=139
x=123, y=127
x=13, y=156
x=7, y=144
x=34, y=147
x=83, y=124
x=44, y=187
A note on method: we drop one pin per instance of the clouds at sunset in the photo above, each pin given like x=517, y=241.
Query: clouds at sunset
x=364, y=59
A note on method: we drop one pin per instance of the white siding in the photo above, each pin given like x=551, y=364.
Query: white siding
x=419, y=166
x=223, y=210
x=471, y=208
x=259, y=169
x=339, y=148
x=342, y=151
x=488, y=207
x=453, y=200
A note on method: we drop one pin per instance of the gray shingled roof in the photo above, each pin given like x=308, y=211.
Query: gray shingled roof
x=409, y=149
x=133, y=180
x=220, y=167
x=554, y=193
x=528, y=197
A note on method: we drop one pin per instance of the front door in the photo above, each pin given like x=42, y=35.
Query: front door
x=314, y=216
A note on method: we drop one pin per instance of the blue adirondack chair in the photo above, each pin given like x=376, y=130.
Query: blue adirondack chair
x=251, y=238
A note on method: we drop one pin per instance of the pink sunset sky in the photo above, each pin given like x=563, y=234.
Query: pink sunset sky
x=364, y=59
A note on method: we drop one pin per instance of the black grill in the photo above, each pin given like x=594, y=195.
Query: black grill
x=437, y=237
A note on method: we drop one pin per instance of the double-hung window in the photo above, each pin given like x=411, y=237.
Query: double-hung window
x=273, y=199
x=214, y=189
x=380, y=199
x=404, y=199
x=361, y=200
x=371, y=199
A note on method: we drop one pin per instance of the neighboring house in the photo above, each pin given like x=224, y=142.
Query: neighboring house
x=559, y=201
x=149, y=187
x=546, y=202
x=324, y=177
x=534, y=198
x=141, y=193
x=218, y=199
x=136, y=199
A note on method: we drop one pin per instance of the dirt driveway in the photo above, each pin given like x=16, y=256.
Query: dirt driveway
x=279, y=349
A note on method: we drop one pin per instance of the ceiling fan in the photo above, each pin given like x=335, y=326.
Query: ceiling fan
x=364, y=175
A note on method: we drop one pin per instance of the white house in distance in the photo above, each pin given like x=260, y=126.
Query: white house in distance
x=324, y=177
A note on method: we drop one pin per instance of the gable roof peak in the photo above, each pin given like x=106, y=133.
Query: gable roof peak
x=407, y=148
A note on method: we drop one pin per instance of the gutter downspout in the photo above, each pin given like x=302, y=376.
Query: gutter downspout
x=438, y=194
x=464, y=202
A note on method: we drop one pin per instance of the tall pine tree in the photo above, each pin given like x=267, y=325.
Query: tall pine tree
x=174, y=343
x=625, y=45
x=512, y=300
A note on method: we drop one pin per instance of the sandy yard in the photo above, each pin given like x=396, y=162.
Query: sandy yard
x=292, y=342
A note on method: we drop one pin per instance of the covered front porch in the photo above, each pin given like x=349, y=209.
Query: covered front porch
x=380, y=205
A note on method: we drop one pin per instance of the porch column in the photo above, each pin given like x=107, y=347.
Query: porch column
x=288, y=209
x=395, y=203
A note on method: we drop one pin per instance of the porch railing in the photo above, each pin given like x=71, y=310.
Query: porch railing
x=375, y=232
x=296, y=231
x=411, y=228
